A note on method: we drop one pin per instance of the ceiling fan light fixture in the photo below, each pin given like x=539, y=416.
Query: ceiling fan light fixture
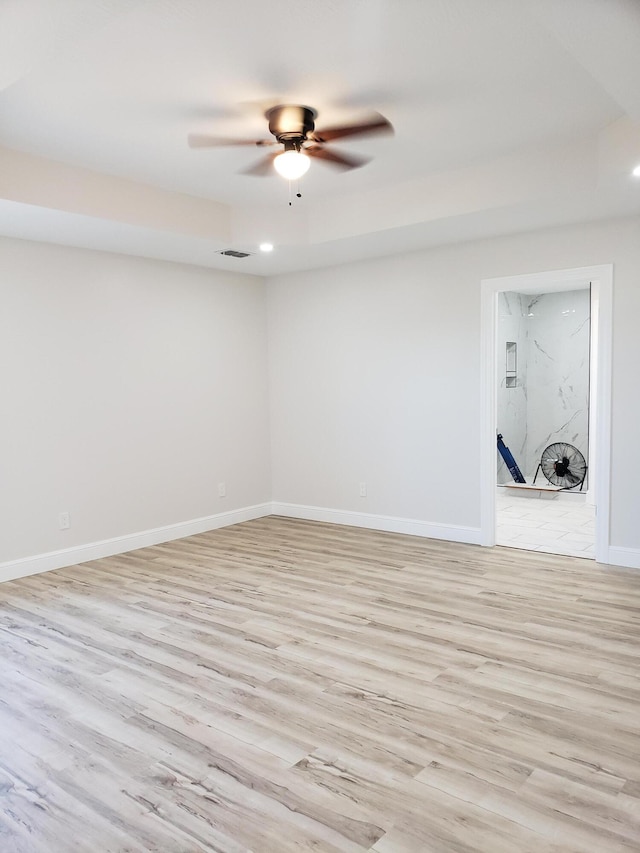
x=292, y=164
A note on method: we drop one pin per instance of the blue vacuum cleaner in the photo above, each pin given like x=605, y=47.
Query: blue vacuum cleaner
x=509, y=461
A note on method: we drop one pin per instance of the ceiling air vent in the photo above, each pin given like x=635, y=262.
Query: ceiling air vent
x=231, y=253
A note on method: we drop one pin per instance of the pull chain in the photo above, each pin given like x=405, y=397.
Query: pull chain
x=298, y=193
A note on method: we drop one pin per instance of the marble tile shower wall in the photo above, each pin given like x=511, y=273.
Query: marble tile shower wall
x=551, y=399
x=512, y=402
x=558, y=372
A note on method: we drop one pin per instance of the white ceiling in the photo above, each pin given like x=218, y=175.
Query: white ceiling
x=508, y=116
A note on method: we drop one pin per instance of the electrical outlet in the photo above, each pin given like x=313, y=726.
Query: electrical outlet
x=363, y=490
x=64, y=522
x=222, y=490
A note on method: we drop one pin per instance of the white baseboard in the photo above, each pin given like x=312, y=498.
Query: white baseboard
x=121, y=544
x=627, y=557
x=391, y=524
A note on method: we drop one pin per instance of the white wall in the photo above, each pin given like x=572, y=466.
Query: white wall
x=375, y=372
x=129, y=389
x=374, y=378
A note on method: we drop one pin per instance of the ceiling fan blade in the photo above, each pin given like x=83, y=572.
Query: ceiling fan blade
x=263, y=167
x=204, y=140
x=376, y=124
x=342, y=161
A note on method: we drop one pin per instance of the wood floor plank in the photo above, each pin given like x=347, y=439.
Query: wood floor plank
x=284, y=685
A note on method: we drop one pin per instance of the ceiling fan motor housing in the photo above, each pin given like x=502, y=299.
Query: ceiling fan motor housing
x=291, y=123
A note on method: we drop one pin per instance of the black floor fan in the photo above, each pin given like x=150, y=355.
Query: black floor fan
x=563, y=465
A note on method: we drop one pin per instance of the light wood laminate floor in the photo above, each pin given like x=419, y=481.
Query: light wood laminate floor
x=286, y=685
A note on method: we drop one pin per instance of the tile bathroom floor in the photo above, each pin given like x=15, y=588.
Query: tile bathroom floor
x=555, y=524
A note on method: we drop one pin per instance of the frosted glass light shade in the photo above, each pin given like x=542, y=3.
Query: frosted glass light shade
x=292, y=164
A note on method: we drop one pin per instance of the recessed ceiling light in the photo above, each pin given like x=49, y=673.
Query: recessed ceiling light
x=636, y=171
x=266, y=247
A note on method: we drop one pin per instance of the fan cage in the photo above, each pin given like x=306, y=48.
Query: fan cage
x=563, y=465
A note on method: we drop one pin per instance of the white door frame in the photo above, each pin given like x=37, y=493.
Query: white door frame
x=601, y=278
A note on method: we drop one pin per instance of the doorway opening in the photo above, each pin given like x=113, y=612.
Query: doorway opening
x=543, y=383
x=546, y=388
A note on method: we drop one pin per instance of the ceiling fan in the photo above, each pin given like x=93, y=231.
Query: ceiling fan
x=293, y=127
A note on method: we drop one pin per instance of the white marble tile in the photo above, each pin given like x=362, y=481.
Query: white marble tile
x=512, y=402
x=527, y=521
x=513, y=513
x=557, y=524
x=574, y=521
x=563, y=525
x=537, y=536
x=578, y=538
x=551, y=400
x=558, y=372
